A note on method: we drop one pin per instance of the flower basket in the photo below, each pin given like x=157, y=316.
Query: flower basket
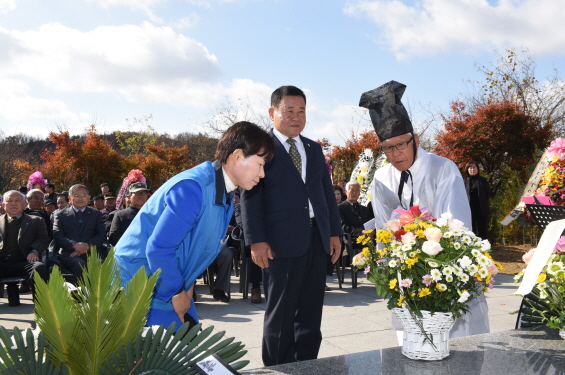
x=415, y=344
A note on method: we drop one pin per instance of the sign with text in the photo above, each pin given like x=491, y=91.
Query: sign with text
x=544, y=250
x=214, y=365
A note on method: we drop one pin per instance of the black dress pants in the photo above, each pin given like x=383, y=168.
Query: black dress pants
x=294, y=291
x=23, y=269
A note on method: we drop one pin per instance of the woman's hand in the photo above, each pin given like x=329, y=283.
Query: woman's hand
x=181, y=303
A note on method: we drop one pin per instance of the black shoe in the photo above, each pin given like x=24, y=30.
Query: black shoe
x=219, y=295
x=256, y=295
x=328, y=288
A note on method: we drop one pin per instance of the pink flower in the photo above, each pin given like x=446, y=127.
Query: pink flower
x=493, y=269
x=528, y=256
x=393, y=225
x=457, y=225
x=431, y=248
x=560, y=247
x=408, y=238
x=433, y=234
x=406, y=283
x=427, y=279
x=367, y=270
x=557, y=148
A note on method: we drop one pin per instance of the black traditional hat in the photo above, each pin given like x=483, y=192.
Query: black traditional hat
x=388, y=115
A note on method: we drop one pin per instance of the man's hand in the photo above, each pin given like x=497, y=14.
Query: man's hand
x=335, y=248
x=230, y=229
x=181, y=302
x=261, y=253
x=32, y=257
x=80, y=248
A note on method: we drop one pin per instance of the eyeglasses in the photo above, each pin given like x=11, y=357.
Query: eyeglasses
x=78, y=196
x=140, y=193
x=399, y=146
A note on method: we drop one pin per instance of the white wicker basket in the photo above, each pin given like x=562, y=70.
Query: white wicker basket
x=437, y=326
x=562, y=333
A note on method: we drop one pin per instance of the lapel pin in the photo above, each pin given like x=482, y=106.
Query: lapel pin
x=308, y=144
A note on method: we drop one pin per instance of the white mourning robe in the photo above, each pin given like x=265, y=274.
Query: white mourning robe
x=437, y=185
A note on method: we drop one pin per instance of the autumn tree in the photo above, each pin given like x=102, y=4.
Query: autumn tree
x=160, y=163
x=89, y=161
x=499, y=136
x=17, y=161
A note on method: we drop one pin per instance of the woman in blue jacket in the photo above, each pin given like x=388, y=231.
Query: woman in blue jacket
x=180, y=227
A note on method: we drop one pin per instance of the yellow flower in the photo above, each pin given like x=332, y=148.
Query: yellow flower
x=498, y=265
x=413, y=294
x=541, y=278
x=411, y=261
x=479, y=279
x=392, y=283
x=365, y=252
x=384, y=236
x=420, y=234
x=359, y=178
x=487, y=280
x=424, y=292
x=441, y=287
x=410, y=227
x=400, y=300
x=360, y=238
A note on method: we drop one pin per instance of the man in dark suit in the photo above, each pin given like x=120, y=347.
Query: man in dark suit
x=291, y=221
x=353, y=215
x=76, y=228
x=22, y=240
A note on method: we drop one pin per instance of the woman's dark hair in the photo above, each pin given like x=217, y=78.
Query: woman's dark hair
x=248, y=137
x=338, y=188
x=281, y=92
x=472, y=162
x=50, y=185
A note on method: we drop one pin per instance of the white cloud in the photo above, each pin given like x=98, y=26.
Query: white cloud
x=186, y=22
x=432, y=26
x=6, y=6
x=137, y=63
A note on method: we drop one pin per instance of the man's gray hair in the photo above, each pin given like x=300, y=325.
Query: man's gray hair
x=32, y=191
x=10, y=192
x=77, y=187
x=352, y=182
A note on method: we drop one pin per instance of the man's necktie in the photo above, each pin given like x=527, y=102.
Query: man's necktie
x=356, y=209
x=294, y=154
x=80, y=214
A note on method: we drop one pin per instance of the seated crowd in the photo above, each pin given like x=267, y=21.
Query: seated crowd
x=39, y=230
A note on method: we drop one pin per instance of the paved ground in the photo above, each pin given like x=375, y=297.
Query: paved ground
x=354, y=320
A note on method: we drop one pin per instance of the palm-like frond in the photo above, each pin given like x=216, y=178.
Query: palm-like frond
x=55, y=314
x=172, y=353
x=22, y=358
x=103, y=317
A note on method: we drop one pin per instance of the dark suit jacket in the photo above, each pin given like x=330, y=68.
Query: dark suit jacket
x=32, y=235
x=67, y=231
x=276, y=210
x=351, y=221
x=484, y=193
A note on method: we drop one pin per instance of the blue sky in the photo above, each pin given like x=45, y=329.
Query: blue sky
x=69, y=63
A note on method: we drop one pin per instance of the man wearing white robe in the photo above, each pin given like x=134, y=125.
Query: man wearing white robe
x=431, y=181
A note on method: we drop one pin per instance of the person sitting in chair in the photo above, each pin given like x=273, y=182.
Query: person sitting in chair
x=353, y=215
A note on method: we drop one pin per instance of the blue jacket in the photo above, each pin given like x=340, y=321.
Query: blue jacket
x=178, y=230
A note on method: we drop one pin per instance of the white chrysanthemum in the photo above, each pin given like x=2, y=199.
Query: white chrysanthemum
x=458, y=271
x=456, y=245
x=412, y=254
x=441, y=287
x=447, y=235
x=464, y=277
x=542, y=285
x=457, y=233
x=542, y=294
x=483, y=272
x=433, y=264
x=447, y=270
x=406, y=247
x=554, y=267
x=449, y=278
x=472, y=269
x=476, y=252
x=465, y=261
x=485, y=245
x=466, y=240
x=392, y=263
x=484, y=261
x=435, y=274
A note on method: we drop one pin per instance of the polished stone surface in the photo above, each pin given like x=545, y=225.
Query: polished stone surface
x=539, y=351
